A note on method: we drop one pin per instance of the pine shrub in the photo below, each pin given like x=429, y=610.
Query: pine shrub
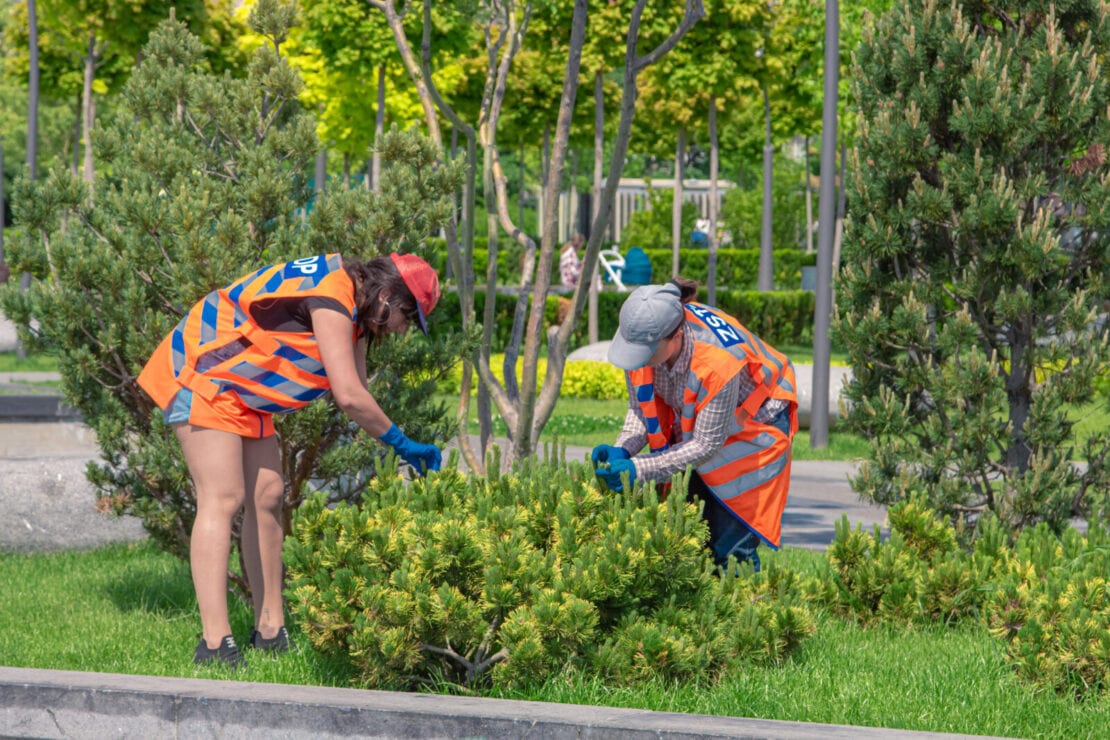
x=199, y=180
x=1045, y=596
x=976, y=256
x=509, y=580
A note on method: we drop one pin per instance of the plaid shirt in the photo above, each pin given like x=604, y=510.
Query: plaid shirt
x=710, y=426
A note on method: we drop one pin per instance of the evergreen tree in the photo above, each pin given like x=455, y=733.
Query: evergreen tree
x=977, y=256
x=202, y=184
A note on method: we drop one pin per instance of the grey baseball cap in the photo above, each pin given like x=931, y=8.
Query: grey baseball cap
x=651, y=313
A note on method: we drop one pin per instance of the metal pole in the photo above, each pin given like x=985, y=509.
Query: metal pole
x=826, y=218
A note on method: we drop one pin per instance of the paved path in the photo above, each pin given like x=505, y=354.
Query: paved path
x=46, y=503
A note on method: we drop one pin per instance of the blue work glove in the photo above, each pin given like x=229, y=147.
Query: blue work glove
x=608, y=453
x=612, y=477
x=420, y=456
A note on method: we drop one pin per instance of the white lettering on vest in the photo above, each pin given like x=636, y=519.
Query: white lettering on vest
x=307, y=265
x=725, y=332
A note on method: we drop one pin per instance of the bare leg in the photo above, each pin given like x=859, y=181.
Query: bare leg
x=262, y=532
x=215, y=461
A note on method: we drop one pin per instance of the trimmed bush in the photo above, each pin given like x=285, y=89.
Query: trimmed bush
x=510, y=580
x=1047, y=597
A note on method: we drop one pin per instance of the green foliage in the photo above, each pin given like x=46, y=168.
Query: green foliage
x=653, y=226
x=581, y=378
x=1047, y=597
x=976, y=257
x=512, y=579
x=742, y=209
x=202, y=184
x=737, y=269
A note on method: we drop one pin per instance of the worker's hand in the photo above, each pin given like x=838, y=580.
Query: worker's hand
x=420, y=456
x=607, y=454
x=611, y=477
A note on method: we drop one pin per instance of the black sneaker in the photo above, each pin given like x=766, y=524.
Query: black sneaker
x=226, y=652
x=279, y=643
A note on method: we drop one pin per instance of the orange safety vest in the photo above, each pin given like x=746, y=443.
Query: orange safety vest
x=218, y=348
x=750, y=473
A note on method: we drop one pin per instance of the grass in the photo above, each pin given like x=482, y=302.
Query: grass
x=9, y=363
x=130, y=609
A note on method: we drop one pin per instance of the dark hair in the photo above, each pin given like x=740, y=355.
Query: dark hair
x=371, y=278
x=688, y=289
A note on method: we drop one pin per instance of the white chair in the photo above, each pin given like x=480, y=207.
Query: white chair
x=613, y=263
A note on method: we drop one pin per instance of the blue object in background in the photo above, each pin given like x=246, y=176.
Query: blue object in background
x=637, y=267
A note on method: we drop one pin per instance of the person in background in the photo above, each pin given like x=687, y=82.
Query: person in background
x=570, y=264
x=704, y=393
x=266, y=344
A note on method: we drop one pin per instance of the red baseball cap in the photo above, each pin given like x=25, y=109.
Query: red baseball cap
x=422, y=281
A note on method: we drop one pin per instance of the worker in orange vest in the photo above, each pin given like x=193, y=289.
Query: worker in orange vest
x=704, y=393
x=270, y=343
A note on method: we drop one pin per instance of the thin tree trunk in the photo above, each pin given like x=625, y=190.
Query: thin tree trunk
x=4, y=272
x=520, y=189
x=676, y=212
x=87, y=106
x=809, y=203
x=320, y=175
x=766, y=242
x=634, y=64
x=33, y=91
x=346, y=170
x=714, y=195
x=379, y=129
x=75, y=160
x=595, y=200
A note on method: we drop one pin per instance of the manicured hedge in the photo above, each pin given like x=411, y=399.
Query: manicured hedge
x=779, y=317
x=737, y=269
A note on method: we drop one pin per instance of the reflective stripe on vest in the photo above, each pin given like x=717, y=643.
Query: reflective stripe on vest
x=217, y=348
x=750, y=473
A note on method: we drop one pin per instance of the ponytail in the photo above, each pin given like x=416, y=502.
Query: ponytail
x=687, y=289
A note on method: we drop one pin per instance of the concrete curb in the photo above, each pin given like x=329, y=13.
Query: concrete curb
x=44, y=703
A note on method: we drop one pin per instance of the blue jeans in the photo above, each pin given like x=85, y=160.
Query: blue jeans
x=727, y=534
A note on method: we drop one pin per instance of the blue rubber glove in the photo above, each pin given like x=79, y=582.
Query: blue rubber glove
x=612, y=477
x=608, y=453
x=420, y=456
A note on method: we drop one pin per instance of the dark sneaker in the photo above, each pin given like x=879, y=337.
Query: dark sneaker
x=226, y=652
x=279, y=643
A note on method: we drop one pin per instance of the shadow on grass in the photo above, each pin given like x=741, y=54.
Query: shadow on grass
x=161, y=589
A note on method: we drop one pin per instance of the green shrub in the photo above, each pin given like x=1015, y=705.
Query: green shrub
x=1047, y=597
x=512, y=579
x=1050, y=604
x=581, y=378
x=737, y=269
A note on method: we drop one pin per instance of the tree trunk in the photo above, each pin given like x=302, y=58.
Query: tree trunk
x=75, y=160
x=526, y=414
x=320, y=175
x=33, y=91
x=87, y=106
x=766, y=242
x=809, y=203
x=520, y=189
x=595, y=200
x=714, y=196
x=4, y=272
x=634, y=64
x=379, y=129
x=676, y=211
x=346, y=170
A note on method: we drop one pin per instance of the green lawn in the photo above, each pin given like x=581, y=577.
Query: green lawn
x=130, y=609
